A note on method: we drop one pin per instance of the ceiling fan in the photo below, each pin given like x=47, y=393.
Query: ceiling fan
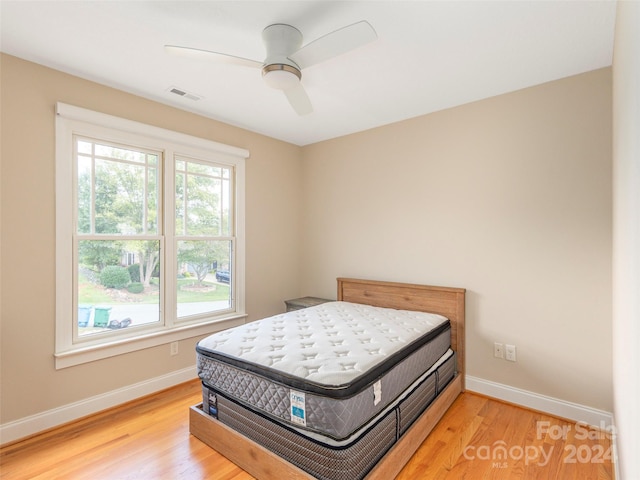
x=286, y=57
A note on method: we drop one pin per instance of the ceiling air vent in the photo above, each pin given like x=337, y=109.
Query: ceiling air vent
x=182, y=93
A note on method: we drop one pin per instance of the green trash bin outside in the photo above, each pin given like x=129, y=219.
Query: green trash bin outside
x=101, y=316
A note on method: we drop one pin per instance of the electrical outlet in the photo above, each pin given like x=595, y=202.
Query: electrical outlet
x=498, y=350
x=511, y=353
x=174, y=348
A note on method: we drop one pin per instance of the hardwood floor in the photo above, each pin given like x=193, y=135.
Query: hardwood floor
x=479, y=438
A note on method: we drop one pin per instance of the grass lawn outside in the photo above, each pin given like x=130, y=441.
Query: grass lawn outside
x=99, y=307
x=92, y=293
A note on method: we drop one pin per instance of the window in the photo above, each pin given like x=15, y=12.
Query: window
x=149, y=233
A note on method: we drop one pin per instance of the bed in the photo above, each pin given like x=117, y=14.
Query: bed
x=385, y=409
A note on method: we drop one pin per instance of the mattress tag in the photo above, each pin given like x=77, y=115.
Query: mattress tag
x=377, y=392
x=297, y=408
x=213, y=404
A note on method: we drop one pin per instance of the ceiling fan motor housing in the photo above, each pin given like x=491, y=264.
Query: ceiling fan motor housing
x=279, y=71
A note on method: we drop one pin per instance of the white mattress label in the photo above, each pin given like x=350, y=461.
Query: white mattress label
x=298, y=414
x=377, y=392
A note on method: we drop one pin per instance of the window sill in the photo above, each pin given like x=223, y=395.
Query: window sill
x=81, y=355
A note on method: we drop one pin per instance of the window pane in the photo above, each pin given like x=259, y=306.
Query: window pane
x=203, y=200
x=152, y=201
x=204, y=277
x=84, y=194
x=119, y=198
x=84, y=147
x=116, y=196
x=225, y=207
x=114, y=293
x=108, y=151
x=180, y=192
x=201, y=169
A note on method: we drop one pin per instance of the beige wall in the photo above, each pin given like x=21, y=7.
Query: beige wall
x=29, y=382
x=509, y=198
x=626, y=234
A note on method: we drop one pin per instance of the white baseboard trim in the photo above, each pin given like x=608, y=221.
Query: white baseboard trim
x=24, y=427
x=33, y=424
x=553, y=406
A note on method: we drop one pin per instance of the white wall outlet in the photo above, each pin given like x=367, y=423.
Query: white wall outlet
x=498, y=350
x=511, y=353
x=174, y=348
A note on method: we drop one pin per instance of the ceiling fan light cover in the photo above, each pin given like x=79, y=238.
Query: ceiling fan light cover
x=281, y=77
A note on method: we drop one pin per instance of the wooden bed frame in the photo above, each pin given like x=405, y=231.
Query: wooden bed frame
x=265, y=465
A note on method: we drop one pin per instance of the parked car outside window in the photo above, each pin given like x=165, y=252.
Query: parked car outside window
x=222, y=276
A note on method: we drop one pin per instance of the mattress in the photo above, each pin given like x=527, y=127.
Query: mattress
x=324, y=457
x=327, y=369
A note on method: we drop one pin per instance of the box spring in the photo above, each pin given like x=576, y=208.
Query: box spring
x=324, y=457
x=300, y=393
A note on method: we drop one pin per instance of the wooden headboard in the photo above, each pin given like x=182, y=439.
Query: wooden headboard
x=405, y=296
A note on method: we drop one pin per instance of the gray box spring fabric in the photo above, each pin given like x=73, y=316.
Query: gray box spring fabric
x=324, y=457
x=239, y=363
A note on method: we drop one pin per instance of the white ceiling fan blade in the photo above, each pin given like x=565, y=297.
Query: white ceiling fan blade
x=334, y=44
x=299, y=100
x=197, y=53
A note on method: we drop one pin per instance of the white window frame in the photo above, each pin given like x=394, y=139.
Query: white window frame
x=72, y=120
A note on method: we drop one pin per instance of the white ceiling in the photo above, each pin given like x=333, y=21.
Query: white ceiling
x=429, y=55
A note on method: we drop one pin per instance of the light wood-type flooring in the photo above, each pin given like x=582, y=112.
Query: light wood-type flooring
x=478, y=438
